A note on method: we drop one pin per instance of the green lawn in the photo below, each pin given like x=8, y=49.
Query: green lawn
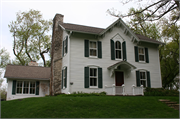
x=89, y=107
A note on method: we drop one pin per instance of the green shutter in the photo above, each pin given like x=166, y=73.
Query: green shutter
x=86, y=77
x=86, y=48
x=124, y=50
x=148, y=79
x=14, y=87
x=65, y=77
x=147, y=55
x=63, y=50
x=99, y=49
x=112, y=50
x=136, y=54
x=66, y=44
x=137, y=79
x=37, y=87
x=100, y=78
x=62, y=81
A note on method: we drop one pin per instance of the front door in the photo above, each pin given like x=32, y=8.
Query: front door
x=119, y=78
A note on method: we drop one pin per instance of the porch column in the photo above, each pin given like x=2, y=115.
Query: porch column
x=113, y=89
x=133, y=86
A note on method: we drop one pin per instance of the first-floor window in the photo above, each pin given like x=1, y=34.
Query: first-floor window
x=32, y=87
x=19, y=87
x=143, y=78
x=93, y=77
x=25, y=87
x=64, y=78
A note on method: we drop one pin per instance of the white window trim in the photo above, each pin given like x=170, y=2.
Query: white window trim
x=93, y=77
x=145, y=76
x=93, y=49
x=142, y=54
x=23, y=88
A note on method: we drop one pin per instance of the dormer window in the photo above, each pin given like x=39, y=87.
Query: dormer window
x=93, y=48
x=118, y=49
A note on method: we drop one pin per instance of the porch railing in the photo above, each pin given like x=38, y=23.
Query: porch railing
x=120, y=90
x=115, y=90
x=137, y=90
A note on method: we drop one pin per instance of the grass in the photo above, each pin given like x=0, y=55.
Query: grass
x=89, y=107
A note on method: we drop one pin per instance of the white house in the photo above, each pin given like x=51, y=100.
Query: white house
x=91, y=59
x=27, y=81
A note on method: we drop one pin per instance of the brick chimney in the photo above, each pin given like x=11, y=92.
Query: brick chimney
x=57, y=19
x=33, y=63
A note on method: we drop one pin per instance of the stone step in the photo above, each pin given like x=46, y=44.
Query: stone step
x=170, y=102
x=175, y=106
x=163, y=100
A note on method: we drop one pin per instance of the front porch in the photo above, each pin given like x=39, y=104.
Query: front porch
x=120, y=90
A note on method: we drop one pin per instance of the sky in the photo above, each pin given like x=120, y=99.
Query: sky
x=84, y=12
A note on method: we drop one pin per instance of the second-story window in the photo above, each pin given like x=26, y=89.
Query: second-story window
x=93, y=48
x=141, y=54
x=118, y=50
x=65, y=46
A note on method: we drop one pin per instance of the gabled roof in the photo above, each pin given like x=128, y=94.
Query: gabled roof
x=27, y=72
x=100, y=31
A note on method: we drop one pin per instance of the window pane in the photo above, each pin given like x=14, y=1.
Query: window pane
x=142, y=75
x=93, y=81
x=141, y=51
x=118, y=54
x=143, y=82
x=118, y=45
x=93, y=52
x=92, y=44
x=93, y=72
x=141, y=57
x=32, y=87
x=19, y=86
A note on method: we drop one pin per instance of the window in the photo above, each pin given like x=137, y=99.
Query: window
x=118, y=49
x=25, y=87
x=93, y=77
x=19, y=87
x=141, y=54
x=32, y=87
x=93, y=48
x=65, y=46
x=64, y=78
x=143, y=78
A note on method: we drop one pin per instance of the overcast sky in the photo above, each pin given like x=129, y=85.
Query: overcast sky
x=84, y=12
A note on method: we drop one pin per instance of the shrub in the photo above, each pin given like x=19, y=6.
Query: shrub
x=160, y=92
x=82, y=94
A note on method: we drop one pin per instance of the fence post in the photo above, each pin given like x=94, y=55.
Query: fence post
x=133, y=89
x=142, y=90
x=123, y=89
x=113, y=89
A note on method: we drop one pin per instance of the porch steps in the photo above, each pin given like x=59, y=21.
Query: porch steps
x=173, y=105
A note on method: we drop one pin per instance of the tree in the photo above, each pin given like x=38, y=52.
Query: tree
x=168, y=33
x=152, y=12
x=4, y=58
x=31, y=41
x=151, y=30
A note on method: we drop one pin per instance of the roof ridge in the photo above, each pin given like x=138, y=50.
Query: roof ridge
x=84, y=25
x=27, y=66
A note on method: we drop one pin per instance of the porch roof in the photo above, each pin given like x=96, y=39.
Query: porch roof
x=114, y=66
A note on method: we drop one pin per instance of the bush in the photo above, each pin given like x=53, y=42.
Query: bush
x=160, y=92
x=82, y=94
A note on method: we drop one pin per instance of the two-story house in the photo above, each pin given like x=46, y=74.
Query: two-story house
x=90, y=59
